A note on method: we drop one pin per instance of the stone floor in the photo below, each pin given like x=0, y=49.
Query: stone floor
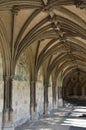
x=68, y=118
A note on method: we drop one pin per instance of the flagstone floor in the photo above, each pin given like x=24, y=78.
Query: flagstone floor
x=67, y=118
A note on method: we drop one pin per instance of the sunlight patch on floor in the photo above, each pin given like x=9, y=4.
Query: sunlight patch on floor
x=41, y=129
x=44, y=129
x=76, y=118
x=76, y=114
x=80, y=110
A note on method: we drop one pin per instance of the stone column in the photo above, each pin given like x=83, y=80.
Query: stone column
x=75, y=91
x=5, y=102
x=83, y=91
x=7, y=119
x=10, y=101
x=54, y=95
x=60, y=104
x=33, y=104
x=46, y=97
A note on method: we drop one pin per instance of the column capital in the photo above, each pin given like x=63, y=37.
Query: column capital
x=5, y=110
x=53, y=82
x=15, y=10
x=33, y=82
x=80, y=4
x=46, y=83
x=7, y=77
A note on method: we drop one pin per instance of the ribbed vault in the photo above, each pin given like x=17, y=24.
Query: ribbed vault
x=48, y=26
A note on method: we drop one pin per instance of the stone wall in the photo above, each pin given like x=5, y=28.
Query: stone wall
x=21, y=95
x=40, y=93
x=50, y=95
x=39, y=97
x=21, y=101
x=50, y=98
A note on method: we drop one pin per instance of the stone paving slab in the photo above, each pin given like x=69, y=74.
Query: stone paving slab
x=53, y=121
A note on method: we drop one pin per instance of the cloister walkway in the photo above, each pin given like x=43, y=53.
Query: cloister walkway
x=67, y=118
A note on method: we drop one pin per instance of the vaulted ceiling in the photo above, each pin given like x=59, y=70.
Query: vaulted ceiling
x=49, y=32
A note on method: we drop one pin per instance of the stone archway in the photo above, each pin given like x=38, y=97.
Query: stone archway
x=74, y=86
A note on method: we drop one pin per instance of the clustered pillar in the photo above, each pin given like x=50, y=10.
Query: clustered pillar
x=33, y=104
x=46, y=97
x=7, y=119
x=7, y=122
x=54, y=94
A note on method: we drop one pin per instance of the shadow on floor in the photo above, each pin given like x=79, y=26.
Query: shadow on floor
x=59, y=127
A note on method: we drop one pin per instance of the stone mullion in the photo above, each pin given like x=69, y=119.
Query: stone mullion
x=46, y=98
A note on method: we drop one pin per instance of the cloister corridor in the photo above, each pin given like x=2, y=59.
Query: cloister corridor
x=42, y=64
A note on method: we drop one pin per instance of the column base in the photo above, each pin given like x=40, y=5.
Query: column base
x=47, y=112
x=8, y=128
x=6, y=123
x=60, y=102
x=34, y=116
x=55, y=106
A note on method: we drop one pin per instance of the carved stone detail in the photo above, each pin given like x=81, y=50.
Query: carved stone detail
x=15, y=10
x=80, y=4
